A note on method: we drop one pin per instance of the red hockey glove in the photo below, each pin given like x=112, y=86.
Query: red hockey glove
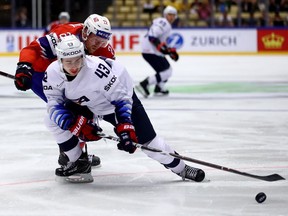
x=173, y=54
x=162, y=47
x=23, y=76
x=85, y=129
x=127, y=135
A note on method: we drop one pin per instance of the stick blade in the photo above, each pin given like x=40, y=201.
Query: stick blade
x=273, y=177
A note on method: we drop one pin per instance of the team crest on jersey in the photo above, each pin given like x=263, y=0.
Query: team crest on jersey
x=81, y=100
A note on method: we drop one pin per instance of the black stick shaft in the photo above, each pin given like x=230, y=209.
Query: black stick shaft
x=273, y=177
x=2, y=73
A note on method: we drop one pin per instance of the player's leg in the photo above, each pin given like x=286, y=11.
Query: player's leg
x=174, y=164
x=160, y=86
x=163, y=72
x=74, y=163
x=147, y=136
x=77, y=109
x=37, y=88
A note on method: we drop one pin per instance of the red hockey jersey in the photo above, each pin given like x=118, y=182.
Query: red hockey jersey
x=41, y=52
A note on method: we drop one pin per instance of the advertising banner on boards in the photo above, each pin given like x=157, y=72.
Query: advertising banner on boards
x=271, y=40
x=190, y=41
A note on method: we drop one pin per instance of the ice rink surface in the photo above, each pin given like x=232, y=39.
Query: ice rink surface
x=227, y=110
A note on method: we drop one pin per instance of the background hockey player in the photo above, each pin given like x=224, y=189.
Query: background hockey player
x=63, y=18
x=104, y=86
x=35, y=58
x=154, y=49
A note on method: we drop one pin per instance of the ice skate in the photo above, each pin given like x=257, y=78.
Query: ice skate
x=192, y=173
x=75, y=172
x=93, y=159
x=143, y=88
x=160, y=91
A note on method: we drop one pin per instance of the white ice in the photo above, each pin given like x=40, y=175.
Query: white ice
x=245, y=131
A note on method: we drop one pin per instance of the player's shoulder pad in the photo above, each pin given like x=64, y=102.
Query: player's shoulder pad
x=53, y=39
x=94, y=61
x=47, y=44
x=160, y=20
x=161, y=23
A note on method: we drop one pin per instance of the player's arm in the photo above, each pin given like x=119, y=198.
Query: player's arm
x=154, y=33
x=120, y=95
x=125, y=128
x=24, y=71
x=163, y=48
x=43, y=47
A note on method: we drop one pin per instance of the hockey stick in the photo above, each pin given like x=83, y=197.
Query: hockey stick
x=7, y=75
x=270, y=178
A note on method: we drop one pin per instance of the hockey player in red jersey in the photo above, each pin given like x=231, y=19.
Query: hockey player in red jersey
x=95, y=33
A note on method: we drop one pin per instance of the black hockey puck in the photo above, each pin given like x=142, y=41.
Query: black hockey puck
x=260, y=197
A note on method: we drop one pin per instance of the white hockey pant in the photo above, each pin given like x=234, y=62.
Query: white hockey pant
x=163, y=75
x=159, y=143
x=62, y=136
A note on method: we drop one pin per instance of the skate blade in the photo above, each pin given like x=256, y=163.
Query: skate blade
x=205, y=180
x=77, y=178
x=160, y=95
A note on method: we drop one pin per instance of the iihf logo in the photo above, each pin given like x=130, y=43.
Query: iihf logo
x=175, y=40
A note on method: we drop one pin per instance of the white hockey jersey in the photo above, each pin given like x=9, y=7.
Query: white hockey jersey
x=160, y=29
x=98, y=83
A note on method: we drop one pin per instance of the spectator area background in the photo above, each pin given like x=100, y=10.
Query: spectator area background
x=132, y=13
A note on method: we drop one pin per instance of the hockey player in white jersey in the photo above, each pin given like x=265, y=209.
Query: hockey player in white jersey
x=154, y=49
x=105, y=87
